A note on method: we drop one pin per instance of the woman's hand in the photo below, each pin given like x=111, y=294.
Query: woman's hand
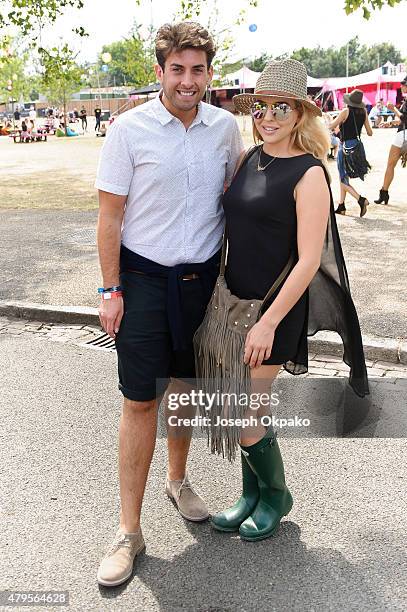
x=259, y=342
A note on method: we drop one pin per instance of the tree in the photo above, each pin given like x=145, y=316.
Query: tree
x=14, y=83
x=259, y=63
x=331, y=62
x=367, y=6
x=30, y=16
x=132, y=59
x=191, y=9
x=61, y=75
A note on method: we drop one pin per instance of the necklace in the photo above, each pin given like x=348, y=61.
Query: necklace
x=260, y=168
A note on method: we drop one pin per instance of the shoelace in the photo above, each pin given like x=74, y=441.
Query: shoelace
x=185, y=484
x=122, y=540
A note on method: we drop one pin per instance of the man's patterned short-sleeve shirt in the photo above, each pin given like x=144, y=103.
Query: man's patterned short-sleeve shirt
x=173, y=178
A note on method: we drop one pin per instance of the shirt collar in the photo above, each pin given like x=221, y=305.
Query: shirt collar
x=164, y=116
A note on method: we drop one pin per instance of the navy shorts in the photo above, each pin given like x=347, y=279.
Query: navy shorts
x=146, y=359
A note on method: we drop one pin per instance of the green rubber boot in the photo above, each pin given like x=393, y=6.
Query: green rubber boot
x=231, y=519
x=275, y=499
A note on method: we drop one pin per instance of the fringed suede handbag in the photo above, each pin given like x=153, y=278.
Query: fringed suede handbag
x=356, y=164
x=219, y=345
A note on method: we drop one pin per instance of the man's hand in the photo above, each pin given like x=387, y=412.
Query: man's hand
x=110, y=315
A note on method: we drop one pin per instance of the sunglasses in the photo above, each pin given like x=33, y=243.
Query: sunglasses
x=280, y=110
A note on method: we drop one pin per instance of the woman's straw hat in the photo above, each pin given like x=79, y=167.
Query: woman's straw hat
x=355, y=98
x=286, y=78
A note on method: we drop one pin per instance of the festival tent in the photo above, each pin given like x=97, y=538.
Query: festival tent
x=241, y=79
x=383, y=82
x=246, y=79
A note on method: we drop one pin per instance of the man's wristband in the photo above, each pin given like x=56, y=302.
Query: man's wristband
x=111, y=295
x=110, y=289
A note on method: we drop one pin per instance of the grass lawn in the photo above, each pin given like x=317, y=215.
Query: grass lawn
x=57, y=174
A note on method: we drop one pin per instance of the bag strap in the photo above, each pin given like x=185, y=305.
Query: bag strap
x=356, y=127
x=285, y=271
x=280, y=279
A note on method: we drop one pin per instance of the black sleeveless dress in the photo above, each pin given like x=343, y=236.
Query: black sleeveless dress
x=261, y=229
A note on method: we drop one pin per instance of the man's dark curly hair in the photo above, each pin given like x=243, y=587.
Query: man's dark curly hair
x=180, y=36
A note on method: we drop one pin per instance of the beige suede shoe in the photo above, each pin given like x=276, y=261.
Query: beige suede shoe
x=117, y=566
x=190, y=505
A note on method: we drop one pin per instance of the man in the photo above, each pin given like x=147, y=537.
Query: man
x=98, y=115
x=375, y=115
x=161, y=177
x=32, y=114
x=84, y=119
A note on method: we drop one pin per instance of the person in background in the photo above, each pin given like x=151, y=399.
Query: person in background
x=32, y=115
x=84, y=119
x=24, y=134
x=17, y=116
x=350, y=121
x=375, y=115
x=335, y=142
x=395, y=149
x=98, y=115
x=102, y=131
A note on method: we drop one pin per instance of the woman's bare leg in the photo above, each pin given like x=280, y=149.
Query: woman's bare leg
x=394, y=156
x=262, y=379
x=343, y=193
x=351, y=190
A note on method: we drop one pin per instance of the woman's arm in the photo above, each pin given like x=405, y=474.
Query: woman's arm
x=367, y=125
x=394, y=109
x=343, y=115
x=312, y=205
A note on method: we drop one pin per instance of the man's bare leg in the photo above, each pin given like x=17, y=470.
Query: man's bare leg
x=137, y=436
x=190, y=504
x=178, y=437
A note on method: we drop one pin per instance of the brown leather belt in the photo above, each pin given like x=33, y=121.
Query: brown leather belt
x=192, y=276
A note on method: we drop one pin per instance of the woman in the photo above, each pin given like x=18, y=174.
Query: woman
x=351, y=121
x=278, y=206
x=395, y=149
x=25, y=136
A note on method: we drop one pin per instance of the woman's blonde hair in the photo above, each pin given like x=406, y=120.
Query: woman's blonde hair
x=309, y=134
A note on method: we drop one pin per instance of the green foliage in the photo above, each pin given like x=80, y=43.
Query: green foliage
x=132, y=60
x=192, y=9
x=30, y=16
x=367, y=6
x=61, y=75
x=14, y=82
x=259, y=63
x=331, y=62
x=207, y=13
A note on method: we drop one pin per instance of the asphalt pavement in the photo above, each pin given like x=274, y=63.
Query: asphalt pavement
x=50, y=257
x=341, y=547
